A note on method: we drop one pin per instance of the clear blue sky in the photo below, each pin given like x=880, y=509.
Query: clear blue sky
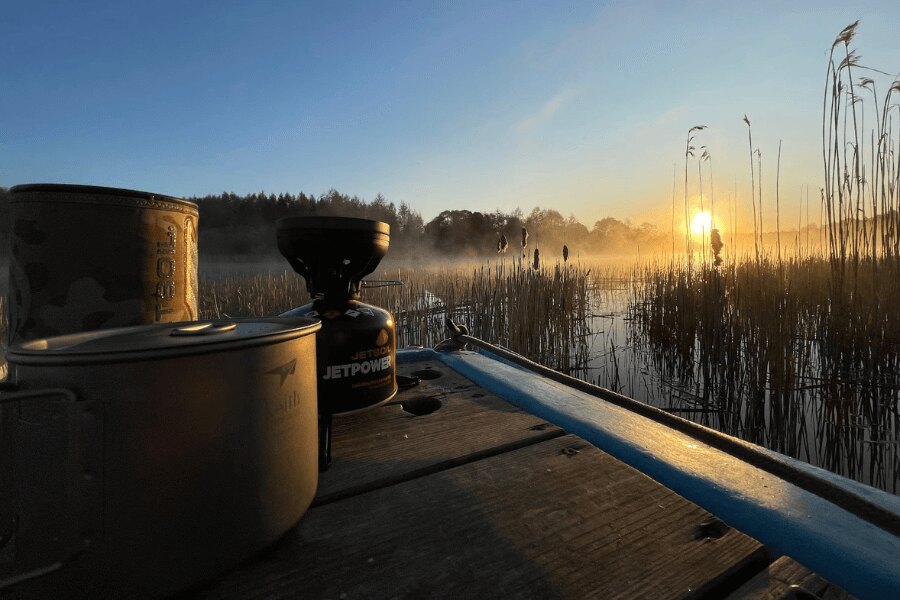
x=578, y=106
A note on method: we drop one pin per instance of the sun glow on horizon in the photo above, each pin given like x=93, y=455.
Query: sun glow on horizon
x=701, y=223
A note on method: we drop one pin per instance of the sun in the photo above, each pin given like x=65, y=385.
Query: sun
x=701, y=223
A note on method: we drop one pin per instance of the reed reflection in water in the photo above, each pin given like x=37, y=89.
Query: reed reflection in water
x=774, y=353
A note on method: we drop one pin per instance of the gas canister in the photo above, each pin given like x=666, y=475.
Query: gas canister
x=356, y=356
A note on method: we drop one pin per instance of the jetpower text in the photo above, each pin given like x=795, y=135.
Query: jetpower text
x=363, y=367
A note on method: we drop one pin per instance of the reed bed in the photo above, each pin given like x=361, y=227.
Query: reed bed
x=540, y=313
x=261, y=294
x=773, y=352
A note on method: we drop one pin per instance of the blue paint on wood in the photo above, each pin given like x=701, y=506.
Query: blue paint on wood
x=411, y=355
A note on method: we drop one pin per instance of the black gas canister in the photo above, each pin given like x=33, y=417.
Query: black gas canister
x=355, y=356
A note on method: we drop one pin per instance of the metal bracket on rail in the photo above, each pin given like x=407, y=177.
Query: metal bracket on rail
x=456, y=341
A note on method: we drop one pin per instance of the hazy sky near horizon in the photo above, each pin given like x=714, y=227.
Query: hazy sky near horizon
x=578, y=106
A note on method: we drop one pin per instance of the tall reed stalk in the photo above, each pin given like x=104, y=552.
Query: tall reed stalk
x=849, y=212
x=752, y=187
x=689, y=153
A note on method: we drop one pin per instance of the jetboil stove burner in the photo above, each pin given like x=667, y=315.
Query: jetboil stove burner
x=356, y=348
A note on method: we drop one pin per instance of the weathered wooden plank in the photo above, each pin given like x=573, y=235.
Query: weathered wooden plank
x=391, y=444
x=557, y=519
x=786, y=578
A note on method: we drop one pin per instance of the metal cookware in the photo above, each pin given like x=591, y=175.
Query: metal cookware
x=84, y=258
x=137, y=461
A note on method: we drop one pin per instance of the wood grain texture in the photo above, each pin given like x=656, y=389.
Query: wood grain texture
x=388, y=444
x=786, y=578
x=556, y=519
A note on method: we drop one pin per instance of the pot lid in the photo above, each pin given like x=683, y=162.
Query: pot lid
x=160, y=340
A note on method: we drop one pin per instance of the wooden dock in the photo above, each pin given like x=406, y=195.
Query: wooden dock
x=450, y=492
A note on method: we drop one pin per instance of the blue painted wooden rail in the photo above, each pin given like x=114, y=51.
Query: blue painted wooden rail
x=789, y=520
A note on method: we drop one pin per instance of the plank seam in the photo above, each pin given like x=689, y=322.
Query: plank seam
x=435, y=468
x=733, y=578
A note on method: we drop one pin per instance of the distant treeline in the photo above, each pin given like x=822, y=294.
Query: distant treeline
x=244, y=226
x=238, y=227
x=235, y=226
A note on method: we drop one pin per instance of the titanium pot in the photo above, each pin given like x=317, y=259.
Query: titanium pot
x=85, y=257
x=144, y=459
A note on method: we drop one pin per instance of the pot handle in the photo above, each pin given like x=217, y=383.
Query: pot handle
x=204, y=328
x=39, y=443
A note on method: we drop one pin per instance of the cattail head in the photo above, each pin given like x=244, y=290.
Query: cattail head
x=715, y=242
x=524, y=238
x=565, y=253
x=502, y=244
x=537, y=260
